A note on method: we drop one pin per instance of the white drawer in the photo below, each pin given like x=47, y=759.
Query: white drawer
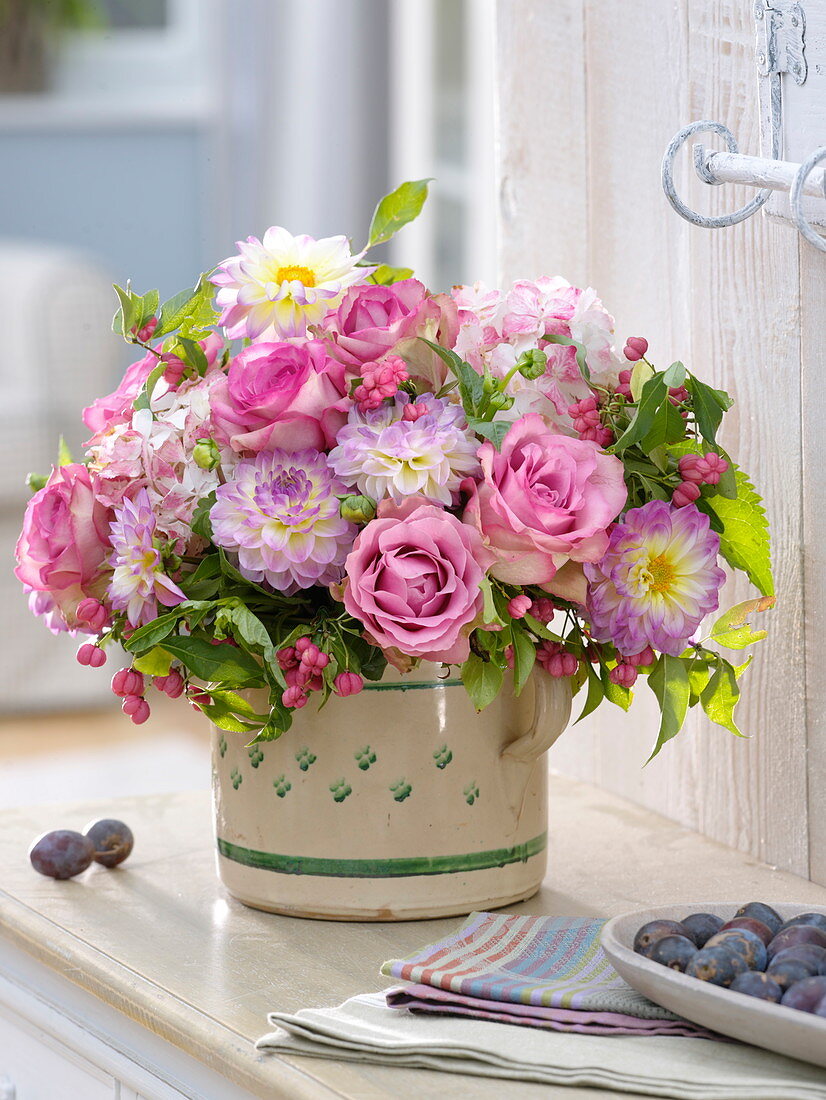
x=38, y=1067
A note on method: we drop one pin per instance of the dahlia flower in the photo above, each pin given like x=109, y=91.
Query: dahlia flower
x=280, y=513
x=138, y=582
x=398, y=450
x=282, y=284
x=657, y=581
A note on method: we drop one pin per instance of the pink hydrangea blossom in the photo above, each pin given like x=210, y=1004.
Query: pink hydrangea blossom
x=279, y=512
x=657, y=581
x=413, y=580
x=544, y=499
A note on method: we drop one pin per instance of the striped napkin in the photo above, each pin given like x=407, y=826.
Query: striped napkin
x=539, y=971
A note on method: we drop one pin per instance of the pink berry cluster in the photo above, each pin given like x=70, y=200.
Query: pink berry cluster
x=556, y=660
x=697, y=470
x=587, y=423
x=129, y=685
x=625, y=673
x=303, y=664
x=635, y=348
x=92, y=617
x=543, y=609
x=379, y=381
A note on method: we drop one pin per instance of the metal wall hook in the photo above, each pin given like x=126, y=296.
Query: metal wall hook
x=780, y=54
x=796, y=197
x=701, y=165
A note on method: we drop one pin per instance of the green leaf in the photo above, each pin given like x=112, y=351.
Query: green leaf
x=720, y=696
x=667, y=427
x=36, y=481
x=482, y=680
x=191, y=352
x=654, y=396
x=494, y=430
x=490, y=613
x=744, y=540
x=524, y=656
x=124, y=319
x=596, y=692
x=146, y=637
x=709, y=405
x=733, y=630
x=615, y=693
x=201, y=523
x=674, y=376
x=224, y=719
x=205, y=582
x=143, y=398
x=669, y=682
x=229, y=570
x=641, y=374
x=699, y=674
x=190, y=309
x=385, y=275
x=235, y=702
x=64, y=455
x=155, y=662
x=221, y=664
x=397, y=209
x=471, y=383
x=249, y=628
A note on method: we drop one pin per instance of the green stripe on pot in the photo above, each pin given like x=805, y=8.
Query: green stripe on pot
x=416, y=686
x=382, y=868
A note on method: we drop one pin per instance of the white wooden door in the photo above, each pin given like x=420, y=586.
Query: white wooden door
x=590, y=94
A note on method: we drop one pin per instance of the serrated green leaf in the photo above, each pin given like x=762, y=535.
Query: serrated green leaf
x=385, y=275
x=482, y=680
x=397, y=209
x=720, y=696
x=669, y=682
x=190, y=309
x=744, y=540
x=733, y=629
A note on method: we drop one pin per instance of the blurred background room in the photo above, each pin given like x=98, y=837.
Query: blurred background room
x=139, y=139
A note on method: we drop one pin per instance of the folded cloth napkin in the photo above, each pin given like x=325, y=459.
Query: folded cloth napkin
x=546, y=972
x=364, y=1029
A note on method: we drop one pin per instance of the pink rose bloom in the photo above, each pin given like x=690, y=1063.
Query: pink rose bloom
x=286, y=396
x=413, y=581
x=372, y=320
x=544, y=500
x=117, y=406
x=62, y=549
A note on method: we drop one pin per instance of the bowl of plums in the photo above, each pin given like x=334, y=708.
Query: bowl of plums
x=753, y=971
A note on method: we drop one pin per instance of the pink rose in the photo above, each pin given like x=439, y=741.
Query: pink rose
x=289, y=395
x=372, y=320
x=413, y=580
x=117, y=406
x=62, y=550
x=544, y=500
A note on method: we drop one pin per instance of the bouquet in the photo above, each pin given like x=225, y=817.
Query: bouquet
x=318, y=466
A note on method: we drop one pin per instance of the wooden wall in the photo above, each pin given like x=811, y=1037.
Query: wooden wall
x=590, y=94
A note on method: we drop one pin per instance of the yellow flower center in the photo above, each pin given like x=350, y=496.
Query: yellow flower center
x=293, y=273
x=661, y=574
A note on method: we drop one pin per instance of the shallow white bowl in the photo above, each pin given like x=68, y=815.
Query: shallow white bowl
x=782, y=1030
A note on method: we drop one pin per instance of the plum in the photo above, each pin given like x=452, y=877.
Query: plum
x=701, y=926
x=808, y=953
x=788, y=971
x=655, y=930
x=750, y=946
x=751, y=924
x=816, y=920
x=762, y=912
x=111, y=839
x=718, y=964
x=806, y=995
x=61, y=854
x=798, y=933
x=675, y=952
x=755, y=984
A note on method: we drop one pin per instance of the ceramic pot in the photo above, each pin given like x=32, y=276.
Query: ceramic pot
x=395, y=804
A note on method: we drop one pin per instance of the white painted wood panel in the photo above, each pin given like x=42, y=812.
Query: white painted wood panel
x=743, y=307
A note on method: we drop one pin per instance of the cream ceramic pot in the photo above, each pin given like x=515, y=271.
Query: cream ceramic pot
x=395, y=804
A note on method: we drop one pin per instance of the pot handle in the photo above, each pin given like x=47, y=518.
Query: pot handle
x=552, y=709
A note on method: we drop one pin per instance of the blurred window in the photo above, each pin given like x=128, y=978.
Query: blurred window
x=122, y=14
x=442, y=125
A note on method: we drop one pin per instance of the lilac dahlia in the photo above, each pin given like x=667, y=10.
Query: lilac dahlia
x=138, y=582
x=388, y=455
x=657, y=580
x=280, y=513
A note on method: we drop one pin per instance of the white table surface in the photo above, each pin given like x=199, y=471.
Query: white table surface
x=159, y=941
